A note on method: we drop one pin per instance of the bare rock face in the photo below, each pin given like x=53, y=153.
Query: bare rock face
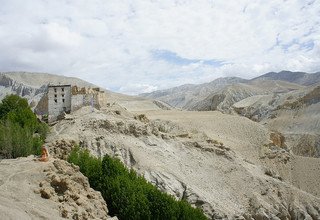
x=31, y=189
x=68, y=187
x=11, y=86
x=61, y=148
x=278, y=139
x=307, y=145
x=189, y=164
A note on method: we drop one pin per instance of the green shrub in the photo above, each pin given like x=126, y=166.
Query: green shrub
x=21, y=133
x=128, y=195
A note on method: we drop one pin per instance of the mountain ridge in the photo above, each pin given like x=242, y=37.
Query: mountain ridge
x=187, y=96
x=300, y=78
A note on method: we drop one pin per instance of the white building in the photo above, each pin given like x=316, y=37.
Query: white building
x=67, y=98
x=59, y=100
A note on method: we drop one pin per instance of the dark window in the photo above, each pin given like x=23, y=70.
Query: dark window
x=55, y=95
x=55, y=90
x=62, y=89
x=56, y=101
x=62, y=95
x=62, y=100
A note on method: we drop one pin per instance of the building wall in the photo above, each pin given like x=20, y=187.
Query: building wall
x=74, y=98
x=79, y=100
x=76, y=102
x=59, y=101
x=102, y=99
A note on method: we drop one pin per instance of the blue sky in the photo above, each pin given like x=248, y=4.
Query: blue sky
x=173, y=58
x=136, y=46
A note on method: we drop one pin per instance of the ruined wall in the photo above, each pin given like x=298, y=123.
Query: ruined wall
x=102, y=99
x=76, y=102
x=87, y=97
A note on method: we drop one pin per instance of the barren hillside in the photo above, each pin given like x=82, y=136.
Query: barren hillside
x=186, y=95
x=295, y=114
x=204, y=157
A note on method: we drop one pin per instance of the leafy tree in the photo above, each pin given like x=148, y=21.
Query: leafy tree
x=128, y=195
x=21, y=133
x=12, y=103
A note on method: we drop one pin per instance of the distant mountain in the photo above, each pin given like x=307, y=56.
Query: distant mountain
x=186, y=95
x=300, y=78
x=222, y=93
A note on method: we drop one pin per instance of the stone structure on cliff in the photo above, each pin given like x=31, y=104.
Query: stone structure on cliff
x=61, y=99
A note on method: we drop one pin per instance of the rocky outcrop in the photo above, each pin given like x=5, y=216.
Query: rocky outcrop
x=61, y=149
x=312, y=97
x=294, y=114
x=66, y=186
x=30, y=189
x=307, y=145
x=15, y=87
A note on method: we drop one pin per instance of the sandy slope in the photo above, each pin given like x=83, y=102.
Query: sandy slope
x=30, y=189
x=180, y=153
x=306, y=174
x=246, y=137
x=132, y=103
x=18, y=180
x=240, y=133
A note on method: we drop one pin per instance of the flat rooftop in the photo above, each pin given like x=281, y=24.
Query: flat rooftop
x=59, y=85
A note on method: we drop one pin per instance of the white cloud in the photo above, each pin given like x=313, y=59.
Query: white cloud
x=137, y=88
x=62, y=35
x=110, y=43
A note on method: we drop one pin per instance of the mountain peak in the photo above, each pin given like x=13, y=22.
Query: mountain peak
x=300, y=78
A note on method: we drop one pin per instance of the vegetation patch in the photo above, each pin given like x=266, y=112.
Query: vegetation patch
x=21, y=133
x=128, y=195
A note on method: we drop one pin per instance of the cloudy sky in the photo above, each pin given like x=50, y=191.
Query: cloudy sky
x=135, y=46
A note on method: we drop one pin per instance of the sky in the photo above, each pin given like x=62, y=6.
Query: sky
x=137, y=46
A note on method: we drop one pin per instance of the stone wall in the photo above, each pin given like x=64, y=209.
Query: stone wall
x=86, y=97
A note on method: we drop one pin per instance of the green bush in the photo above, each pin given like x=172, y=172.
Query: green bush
x=21, y=133
x=128, y=195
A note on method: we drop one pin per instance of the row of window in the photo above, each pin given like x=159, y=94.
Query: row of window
x=55, y=95
x=56, y=101
x=55, y=89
